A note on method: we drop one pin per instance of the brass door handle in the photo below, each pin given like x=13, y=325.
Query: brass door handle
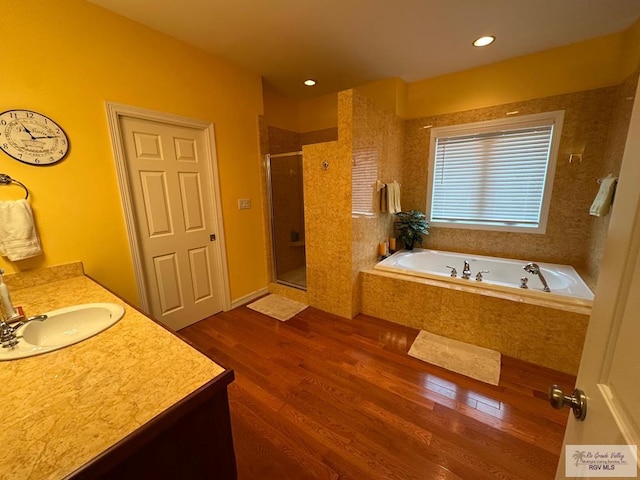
x=577, y=401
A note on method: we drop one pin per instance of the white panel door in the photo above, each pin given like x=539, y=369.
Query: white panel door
x=172, y=200
x=610, y=368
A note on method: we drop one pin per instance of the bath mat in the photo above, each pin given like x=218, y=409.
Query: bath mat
x=476, y=362
x=277, y=307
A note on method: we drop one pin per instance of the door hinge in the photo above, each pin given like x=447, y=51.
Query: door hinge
x=212, y=237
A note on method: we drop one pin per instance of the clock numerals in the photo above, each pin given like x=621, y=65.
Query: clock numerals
x=32, y=138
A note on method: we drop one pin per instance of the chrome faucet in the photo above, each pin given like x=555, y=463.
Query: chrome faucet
x=534, y=269
x=466, y=271
x=479, y=276
x=8, y=337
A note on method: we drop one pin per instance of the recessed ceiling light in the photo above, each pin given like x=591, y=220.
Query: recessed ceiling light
x=310, y=82
x=484, y=41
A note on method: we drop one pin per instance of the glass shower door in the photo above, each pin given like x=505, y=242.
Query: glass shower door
x=284, y=178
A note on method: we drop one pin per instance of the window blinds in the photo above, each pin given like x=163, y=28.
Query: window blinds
x=491, y=178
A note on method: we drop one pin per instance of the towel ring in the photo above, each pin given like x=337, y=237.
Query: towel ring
x=7, y=180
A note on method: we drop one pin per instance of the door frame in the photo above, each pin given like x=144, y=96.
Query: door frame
x=114, y=112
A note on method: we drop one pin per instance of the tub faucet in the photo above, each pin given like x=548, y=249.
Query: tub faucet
x=466, y=271
x=534, y=269
x=479, y=276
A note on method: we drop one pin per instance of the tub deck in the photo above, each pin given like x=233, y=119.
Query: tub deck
x=500, y=274
x=529, y=296
x=516, y=324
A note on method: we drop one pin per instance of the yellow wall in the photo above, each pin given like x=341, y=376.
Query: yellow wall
x=595, y=63
x=318, y=113
x=280, y=111
x=389, y=93
x=65, y=60
x=631, y=49
x=587, y=65
x=581, y=66
x=300, y=116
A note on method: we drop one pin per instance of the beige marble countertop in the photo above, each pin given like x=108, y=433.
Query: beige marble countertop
x=61, y=409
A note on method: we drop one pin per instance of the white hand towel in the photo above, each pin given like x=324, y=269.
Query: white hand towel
x=602, y=202
x=18, y=235
x=397, y=206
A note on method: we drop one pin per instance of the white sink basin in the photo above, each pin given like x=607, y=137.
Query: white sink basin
x=63, y=327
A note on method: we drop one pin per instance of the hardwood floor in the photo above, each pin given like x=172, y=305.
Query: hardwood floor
x=320, y=397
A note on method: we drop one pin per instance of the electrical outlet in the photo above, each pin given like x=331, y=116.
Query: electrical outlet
x=244, y=203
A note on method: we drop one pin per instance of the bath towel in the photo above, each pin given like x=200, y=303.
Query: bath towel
x=393, y=197
x=602, y=202
x=384, y=199
x=18, y=235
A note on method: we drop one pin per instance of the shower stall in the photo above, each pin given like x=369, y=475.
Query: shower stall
x=286, y=213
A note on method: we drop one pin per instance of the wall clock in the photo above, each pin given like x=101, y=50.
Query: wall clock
x=32, y=138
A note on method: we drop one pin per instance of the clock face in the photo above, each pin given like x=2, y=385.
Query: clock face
x=32, y=137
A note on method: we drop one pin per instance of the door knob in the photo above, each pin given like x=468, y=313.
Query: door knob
x=577, y=401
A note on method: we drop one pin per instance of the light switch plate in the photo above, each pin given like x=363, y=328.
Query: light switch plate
x=244, y=203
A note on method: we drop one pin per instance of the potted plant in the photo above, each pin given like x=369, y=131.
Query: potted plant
x=411, y=225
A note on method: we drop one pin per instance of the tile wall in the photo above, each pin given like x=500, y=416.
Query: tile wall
x=327, y=220
x=613, y=158
x=545, y=336
x=594, y=125
x=378, y=134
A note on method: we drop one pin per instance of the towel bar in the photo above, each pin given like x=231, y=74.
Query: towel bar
x=7, y=180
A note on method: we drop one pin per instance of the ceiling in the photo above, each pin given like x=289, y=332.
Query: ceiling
x=346, y=43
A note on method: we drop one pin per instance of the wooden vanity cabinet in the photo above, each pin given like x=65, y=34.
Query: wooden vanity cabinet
x=190, y=440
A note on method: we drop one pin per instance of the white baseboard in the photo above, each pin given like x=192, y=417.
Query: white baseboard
x=247, y=298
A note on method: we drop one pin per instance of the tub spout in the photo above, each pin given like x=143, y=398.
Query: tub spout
x=466, y=272
x=534, y=269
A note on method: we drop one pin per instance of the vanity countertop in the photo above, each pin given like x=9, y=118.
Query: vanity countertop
x=59, y=410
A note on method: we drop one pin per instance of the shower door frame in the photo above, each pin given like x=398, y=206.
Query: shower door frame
x=272, y=224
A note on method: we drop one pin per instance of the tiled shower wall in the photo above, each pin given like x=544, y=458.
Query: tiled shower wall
x=339, y=245
x=378, y=134
x=274, y=140
x=327, y=194
x=616, y=139
x=594, y=126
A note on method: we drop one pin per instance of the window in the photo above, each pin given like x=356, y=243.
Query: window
x=495, y=175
